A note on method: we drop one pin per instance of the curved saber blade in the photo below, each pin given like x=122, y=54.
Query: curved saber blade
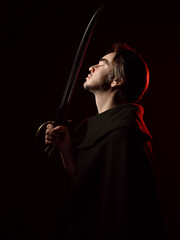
x=67, y=96
x=63, y=108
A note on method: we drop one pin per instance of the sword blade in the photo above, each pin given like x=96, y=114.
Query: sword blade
x=76, y=66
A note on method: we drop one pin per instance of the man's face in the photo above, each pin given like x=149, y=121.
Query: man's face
x=100, y=75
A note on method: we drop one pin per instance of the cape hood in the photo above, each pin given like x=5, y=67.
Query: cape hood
x=124, y=115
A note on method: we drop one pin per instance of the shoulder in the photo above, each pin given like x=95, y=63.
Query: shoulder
x=125, y=134
x=129, y=143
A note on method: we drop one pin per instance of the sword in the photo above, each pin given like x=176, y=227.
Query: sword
x=61, y=115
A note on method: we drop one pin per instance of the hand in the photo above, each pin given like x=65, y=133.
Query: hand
x=58, y=137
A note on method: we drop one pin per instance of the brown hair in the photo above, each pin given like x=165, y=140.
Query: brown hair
x=131, y=68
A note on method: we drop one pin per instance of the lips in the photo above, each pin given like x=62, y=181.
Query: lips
x=89, y=76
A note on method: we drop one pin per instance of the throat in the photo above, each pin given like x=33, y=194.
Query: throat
x=104, y=102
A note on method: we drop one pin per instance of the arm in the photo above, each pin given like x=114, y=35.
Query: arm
x=59, y=137
x=129, y=196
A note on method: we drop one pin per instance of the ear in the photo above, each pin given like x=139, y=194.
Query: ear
x=116, y=82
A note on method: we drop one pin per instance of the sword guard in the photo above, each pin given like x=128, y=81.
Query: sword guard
x=49, y=149
x=42, y=126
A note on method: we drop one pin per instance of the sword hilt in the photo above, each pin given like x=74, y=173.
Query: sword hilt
x=49, y=148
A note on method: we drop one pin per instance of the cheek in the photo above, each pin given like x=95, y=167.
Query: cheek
x=111, y=75
x=101, y=74
x=107, y=77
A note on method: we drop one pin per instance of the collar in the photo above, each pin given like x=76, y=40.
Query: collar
x=124, y=115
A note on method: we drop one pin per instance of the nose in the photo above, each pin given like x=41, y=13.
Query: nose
x=92, y=69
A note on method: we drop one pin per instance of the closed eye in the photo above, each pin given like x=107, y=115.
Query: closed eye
x=104, y=60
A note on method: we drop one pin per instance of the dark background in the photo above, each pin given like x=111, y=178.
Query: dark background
x=38, y=42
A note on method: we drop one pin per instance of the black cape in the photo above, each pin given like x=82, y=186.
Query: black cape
x=113, y=194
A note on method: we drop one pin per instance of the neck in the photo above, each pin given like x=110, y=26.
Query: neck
x=105, y=101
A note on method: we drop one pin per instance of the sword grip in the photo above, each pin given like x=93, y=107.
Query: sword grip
x=40, y=134
x=49, y=149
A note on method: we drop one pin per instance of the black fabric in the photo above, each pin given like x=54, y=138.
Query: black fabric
x=113, y=194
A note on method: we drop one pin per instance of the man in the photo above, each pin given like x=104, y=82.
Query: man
x=113, y=193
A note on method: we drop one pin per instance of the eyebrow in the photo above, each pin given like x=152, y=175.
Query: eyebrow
x=103, y=60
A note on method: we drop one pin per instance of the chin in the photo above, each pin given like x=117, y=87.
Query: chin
x=87, y=86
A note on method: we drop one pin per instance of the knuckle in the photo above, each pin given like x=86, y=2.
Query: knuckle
x=49, y=126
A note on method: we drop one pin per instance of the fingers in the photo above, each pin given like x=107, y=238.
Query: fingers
x=54, y=134
x=48, y=134
x=50, y=126
x=59, y=129
x=55, y=129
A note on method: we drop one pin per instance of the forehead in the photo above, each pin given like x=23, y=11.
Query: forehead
x=110, y=56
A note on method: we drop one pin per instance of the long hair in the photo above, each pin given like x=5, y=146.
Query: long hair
x=131, y=68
